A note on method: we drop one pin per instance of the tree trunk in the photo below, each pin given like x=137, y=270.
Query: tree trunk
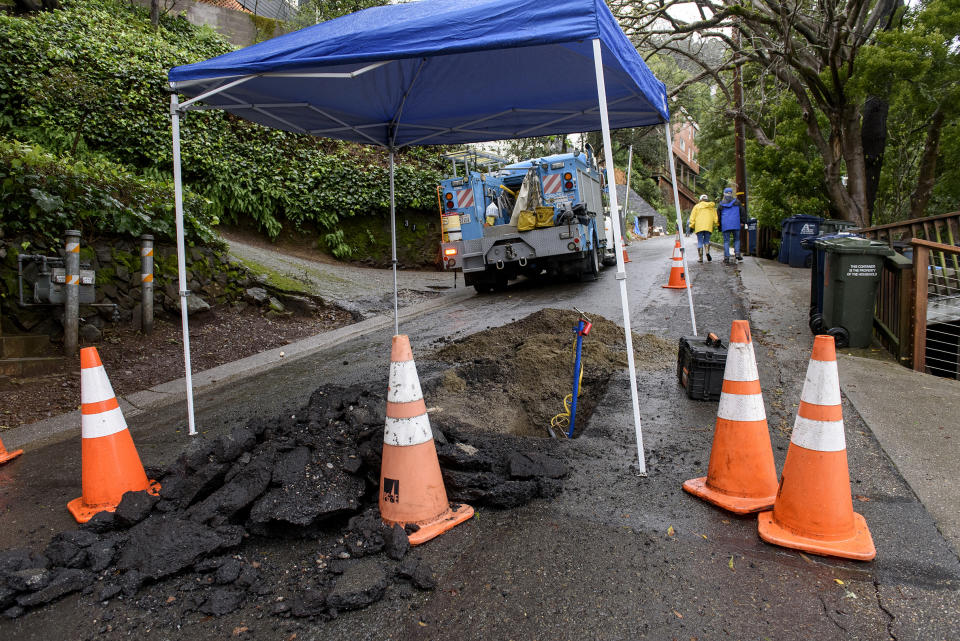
x=855, y=164
x=927, y=175
x=873, y=133
x=155, y=12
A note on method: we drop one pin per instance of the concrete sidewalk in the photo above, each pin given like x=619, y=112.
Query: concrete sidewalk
x=912, y=415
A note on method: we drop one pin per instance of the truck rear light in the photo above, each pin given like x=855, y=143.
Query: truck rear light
x=449, y=196
x=568, y=176
x=557, y=165
x=449, y=204
x=572, y=246
x=450, y=251
x=568, y=185
x=576, y=240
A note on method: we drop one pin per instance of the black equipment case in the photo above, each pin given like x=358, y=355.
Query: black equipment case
x=700, y=365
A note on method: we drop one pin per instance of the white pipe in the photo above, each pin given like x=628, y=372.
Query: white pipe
x=676, y=202
x=393, y=244
x=618, y=242
x=181, y=258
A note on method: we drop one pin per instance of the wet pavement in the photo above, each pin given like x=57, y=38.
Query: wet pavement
x=615, y=556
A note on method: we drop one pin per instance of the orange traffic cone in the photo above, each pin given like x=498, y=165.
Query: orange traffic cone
x=814, y=510
x=8, y=456
x=741, y=477
x=411, y=486
x=678, y=279
x=111, y=465
x=626, y=258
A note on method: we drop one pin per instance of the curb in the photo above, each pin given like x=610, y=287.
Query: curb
x=218, y=377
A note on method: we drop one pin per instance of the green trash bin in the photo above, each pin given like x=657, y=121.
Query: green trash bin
x=851, y=272
x=832, y=226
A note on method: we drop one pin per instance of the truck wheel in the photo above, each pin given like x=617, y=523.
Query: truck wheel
x=483, y=288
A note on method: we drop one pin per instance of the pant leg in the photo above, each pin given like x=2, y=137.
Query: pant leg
x=726, y=243
x=736, y=241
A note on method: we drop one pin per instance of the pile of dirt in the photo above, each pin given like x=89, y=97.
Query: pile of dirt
x=312, y=475
x=519, y=373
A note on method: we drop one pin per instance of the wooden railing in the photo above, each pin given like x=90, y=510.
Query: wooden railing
x=936, y=309
x=944, y=228
x=893, y=314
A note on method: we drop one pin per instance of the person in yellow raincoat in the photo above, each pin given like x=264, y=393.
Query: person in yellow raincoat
x=703, y=220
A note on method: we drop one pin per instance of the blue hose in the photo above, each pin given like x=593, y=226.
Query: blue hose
x=576, y=378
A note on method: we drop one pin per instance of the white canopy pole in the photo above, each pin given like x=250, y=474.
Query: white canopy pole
x=181, y=258
x=393, y=241
x=676, y=202
x=618, y=242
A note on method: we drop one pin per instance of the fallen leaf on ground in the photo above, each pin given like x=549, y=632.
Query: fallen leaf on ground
x=730, y=563
x=240, y=629
x=861, y=497
x=679, y=616
x=671, y=531
x=838, y=581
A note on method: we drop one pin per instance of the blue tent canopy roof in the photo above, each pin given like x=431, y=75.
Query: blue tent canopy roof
x=437, y=72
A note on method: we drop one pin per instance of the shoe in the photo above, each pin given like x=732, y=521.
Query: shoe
x=700, y=254
x=709, y=257
x=739, y=257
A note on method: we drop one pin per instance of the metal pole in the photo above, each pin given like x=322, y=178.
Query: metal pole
x=146, y=283
x=739, y=142
x=618, y=241
x=181, y=258
x=676, y=202
x=393, y=246
x=626, y=199
x=71, y=304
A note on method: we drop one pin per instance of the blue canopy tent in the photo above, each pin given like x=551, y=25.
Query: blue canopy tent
x=437, y=72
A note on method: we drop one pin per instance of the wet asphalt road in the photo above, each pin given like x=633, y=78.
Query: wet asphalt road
x=601, y=560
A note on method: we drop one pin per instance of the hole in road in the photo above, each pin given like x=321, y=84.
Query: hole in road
x=512, y=379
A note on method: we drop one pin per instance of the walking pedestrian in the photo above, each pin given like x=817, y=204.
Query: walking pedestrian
x=732, y=219
x=703, y=220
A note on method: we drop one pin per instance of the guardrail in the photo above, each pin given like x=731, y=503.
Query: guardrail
x=936, y=309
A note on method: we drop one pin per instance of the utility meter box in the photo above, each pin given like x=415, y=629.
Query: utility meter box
x=52, y=287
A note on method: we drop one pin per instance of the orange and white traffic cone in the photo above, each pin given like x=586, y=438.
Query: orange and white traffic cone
x=8, y=456
x=678, y=278
x=110, y=463
x=411, y=485
x=741, y=477
x=814, y=510
x=626, y=258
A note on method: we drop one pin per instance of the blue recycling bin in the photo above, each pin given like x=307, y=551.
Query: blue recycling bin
x=784, y=255
x=799, y=228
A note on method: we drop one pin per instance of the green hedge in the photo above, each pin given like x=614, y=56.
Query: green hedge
x=43, y=194
x=91, y=79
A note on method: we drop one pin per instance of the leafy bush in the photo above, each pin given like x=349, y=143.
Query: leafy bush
x=91, y=79
x=44, y=194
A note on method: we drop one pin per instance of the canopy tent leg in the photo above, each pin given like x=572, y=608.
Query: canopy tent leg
x=676, y=202
x=181, y=257
x=618, y=242
x=393, y=247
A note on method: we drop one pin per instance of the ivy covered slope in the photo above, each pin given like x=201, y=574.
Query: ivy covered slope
x=83, y=93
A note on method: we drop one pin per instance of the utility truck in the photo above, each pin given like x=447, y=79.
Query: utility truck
x=549, y=220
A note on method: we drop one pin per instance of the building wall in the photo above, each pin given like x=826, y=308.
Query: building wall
x=236, y=26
